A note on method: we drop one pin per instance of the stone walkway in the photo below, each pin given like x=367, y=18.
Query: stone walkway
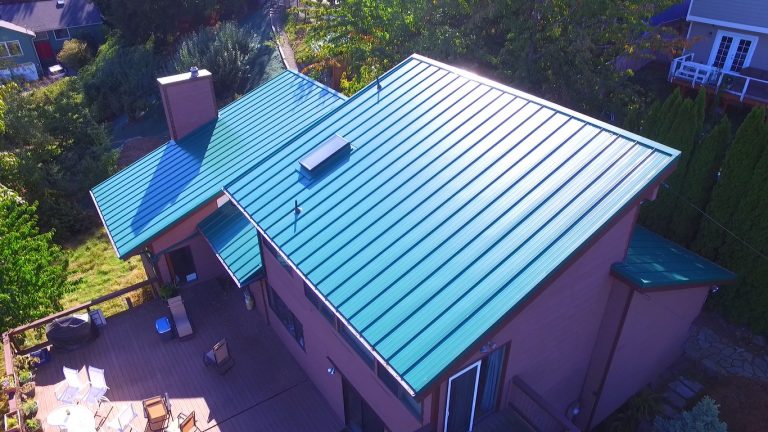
x=742, y=354
x=276, y=16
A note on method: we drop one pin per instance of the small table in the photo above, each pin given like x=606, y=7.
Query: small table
x=74, y=418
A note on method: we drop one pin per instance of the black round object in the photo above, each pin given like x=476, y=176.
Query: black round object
x=72, y=332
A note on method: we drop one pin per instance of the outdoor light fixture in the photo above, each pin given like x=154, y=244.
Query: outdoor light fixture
x=490, y=346
x=714, y=289
x=331, y=370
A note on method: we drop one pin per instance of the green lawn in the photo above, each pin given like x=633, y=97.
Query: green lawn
x=97, y=270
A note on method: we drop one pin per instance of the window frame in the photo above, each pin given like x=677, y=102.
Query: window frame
x=414, y=406
x=55, y=36
x=286, y=316
x=365, y=355
x=8, y=49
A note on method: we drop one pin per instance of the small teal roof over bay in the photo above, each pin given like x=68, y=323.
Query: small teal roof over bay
x=655, y=262
x=235, y=241
x=459, y=198
x=151, y=195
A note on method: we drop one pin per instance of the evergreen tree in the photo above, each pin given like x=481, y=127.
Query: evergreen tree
x=734, y=181
x=699, y=181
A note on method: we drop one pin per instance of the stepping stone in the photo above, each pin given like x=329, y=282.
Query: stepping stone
x=681, y=389
x=674, y=399
x=693, y=385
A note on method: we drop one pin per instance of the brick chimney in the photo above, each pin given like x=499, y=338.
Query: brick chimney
x=188, y=100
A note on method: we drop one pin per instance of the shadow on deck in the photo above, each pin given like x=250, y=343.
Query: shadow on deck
x=266, y=390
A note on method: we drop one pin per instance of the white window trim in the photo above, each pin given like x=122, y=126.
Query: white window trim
x=64, y=38
x=41, y=36
x=734, y=35
x=477, y=365
x=21, y=53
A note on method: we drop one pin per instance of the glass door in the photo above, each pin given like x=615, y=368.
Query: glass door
x=732, y=51
x=462, y=395
x=359, y=417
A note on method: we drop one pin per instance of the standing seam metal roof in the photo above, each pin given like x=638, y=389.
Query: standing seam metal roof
x=460, y=197
x=655, y=262
x=158, y=190
x=235, y=241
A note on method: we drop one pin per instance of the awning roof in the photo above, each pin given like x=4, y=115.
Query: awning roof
x=235, y=241
x=655, y=262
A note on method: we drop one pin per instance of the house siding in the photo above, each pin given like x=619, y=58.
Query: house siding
x=746, y=12
x=702, y=37
x=655, y=328
x=185, y=233
x=561, y=323
x=325, y=348
x=27, y=47
x=93, y=34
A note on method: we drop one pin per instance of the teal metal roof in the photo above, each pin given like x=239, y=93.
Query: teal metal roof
x=151, y=195
x=459, y=198
x=655, y=262
x=235, y=241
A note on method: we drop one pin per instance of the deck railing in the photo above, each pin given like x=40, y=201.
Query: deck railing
x=696, y=73
x=535, y=410
x=741, y=86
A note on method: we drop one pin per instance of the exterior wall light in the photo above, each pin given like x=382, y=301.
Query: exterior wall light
x=331, y=370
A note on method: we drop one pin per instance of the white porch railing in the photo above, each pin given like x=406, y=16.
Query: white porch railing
x=734, y=83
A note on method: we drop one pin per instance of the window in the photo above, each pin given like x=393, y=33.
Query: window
x=287, y=317
x=43, y=35
x=358, y=347
x=10, y=49
x=391, y=383
x=319, y=304
x=61, y=34
x=277, y=255
x=182, y=266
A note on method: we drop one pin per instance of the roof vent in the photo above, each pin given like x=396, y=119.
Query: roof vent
x=335, y=149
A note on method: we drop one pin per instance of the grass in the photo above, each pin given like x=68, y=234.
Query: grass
x=97, y=271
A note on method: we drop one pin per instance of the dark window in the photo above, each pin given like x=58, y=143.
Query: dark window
x=278, y=256
x=490, y=382
x=14, y=48
x=359, y=348
x=319, y=304
x=61, y=34
x=287, y=317
x=182, y=265
x=358, y=415
x=412, y=404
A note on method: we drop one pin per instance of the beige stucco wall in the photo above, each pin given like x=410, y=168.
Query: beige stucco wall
x=702, y=37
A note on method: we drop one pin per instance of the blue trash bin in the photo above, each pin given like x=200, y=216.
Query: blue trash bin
x=163, y=327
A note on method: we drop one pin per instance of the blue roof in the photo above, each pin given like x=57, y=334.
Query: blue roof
x=459, y=198
x=235, y=241
x=655, y=262
x=151, y=195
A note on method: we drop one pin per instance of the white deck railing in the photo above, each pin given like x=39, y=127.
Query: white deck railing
x=734, y=83
x=696, y=73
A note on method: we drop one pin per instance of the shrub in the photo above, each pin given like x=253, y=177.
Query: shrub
x=33, y=425
x=229, y=51
x=74, y=54
x=120, y=80
x=29, y=408
x=704, y=417
x=25, y=376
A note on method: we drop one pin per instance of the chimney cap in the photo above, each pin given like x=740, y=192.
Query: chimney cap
x=193, y=72
x=201, y=73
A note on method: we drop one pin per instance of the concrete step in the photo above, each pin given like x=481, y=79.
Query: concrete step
x=681, y=389
x=674, y=399
x=693, y=385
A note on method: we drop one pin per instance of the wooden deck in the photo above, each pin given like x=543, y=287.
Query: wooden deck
x=266, y=390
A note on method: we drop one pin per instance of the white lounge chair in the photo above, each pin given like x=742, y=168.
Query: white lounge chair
x=97, y=386
x=123, y=420
x=180, y=318
x=69, y=390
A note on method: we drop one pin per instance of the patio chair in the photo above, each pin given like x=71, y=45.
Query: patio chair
x=219, y=357
x=68, y=391
x=157, y=413
x=123, y=420
x=97, y=385
x=187, y=423
x=180, y=318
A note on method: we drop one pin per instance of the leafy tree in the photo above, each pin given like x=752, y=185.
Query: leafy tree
x=33, y=270
x=734, y=180
x=229, y=51
x=74, y=54
x=703, y=417
x=52, y=152
x=121, y=79
x=699, y=181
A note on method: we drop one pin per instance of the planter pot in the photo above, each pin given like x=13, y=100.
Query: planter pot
x=35, y=426
x=8, y=383
x=28, y=390
x=29, y=408
x=8, y=422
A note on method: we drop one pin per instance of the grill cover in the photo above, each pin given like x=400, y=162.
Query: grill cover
x=72, y=332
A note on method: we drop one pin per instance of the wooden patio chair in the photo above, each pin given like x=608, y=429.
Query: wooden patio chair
x=219, y=356
x=180, y=319
x=157, y=413
x=187, y=423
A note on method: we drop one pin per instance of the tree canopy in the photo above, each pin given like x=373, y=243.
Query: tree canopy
x=33, y=270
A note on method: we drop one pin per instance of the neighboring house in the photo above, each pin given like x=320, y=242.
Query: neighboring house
x=55, y=21
x=438, y=252
x=728, y=50
x=17, y=52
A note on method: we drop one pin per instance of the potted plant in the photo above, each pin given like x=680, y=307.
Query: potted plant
x=28, y=389
x=167, y=291
x=11, y=421
x=29, y=408
x=26, y=376
x=8, y=383
x=33, y=425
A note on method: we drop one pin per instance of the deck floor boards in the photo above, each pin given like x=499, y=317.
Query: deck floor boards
x=266, y=390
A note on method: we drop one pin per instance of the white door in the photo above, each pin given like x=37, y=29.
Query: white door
x=732, y=51
x=462, y=395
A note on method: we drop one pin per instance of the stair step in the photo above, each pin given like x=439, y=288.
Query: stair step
x=681, y=389
x=674, y=399
x=693, y=385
